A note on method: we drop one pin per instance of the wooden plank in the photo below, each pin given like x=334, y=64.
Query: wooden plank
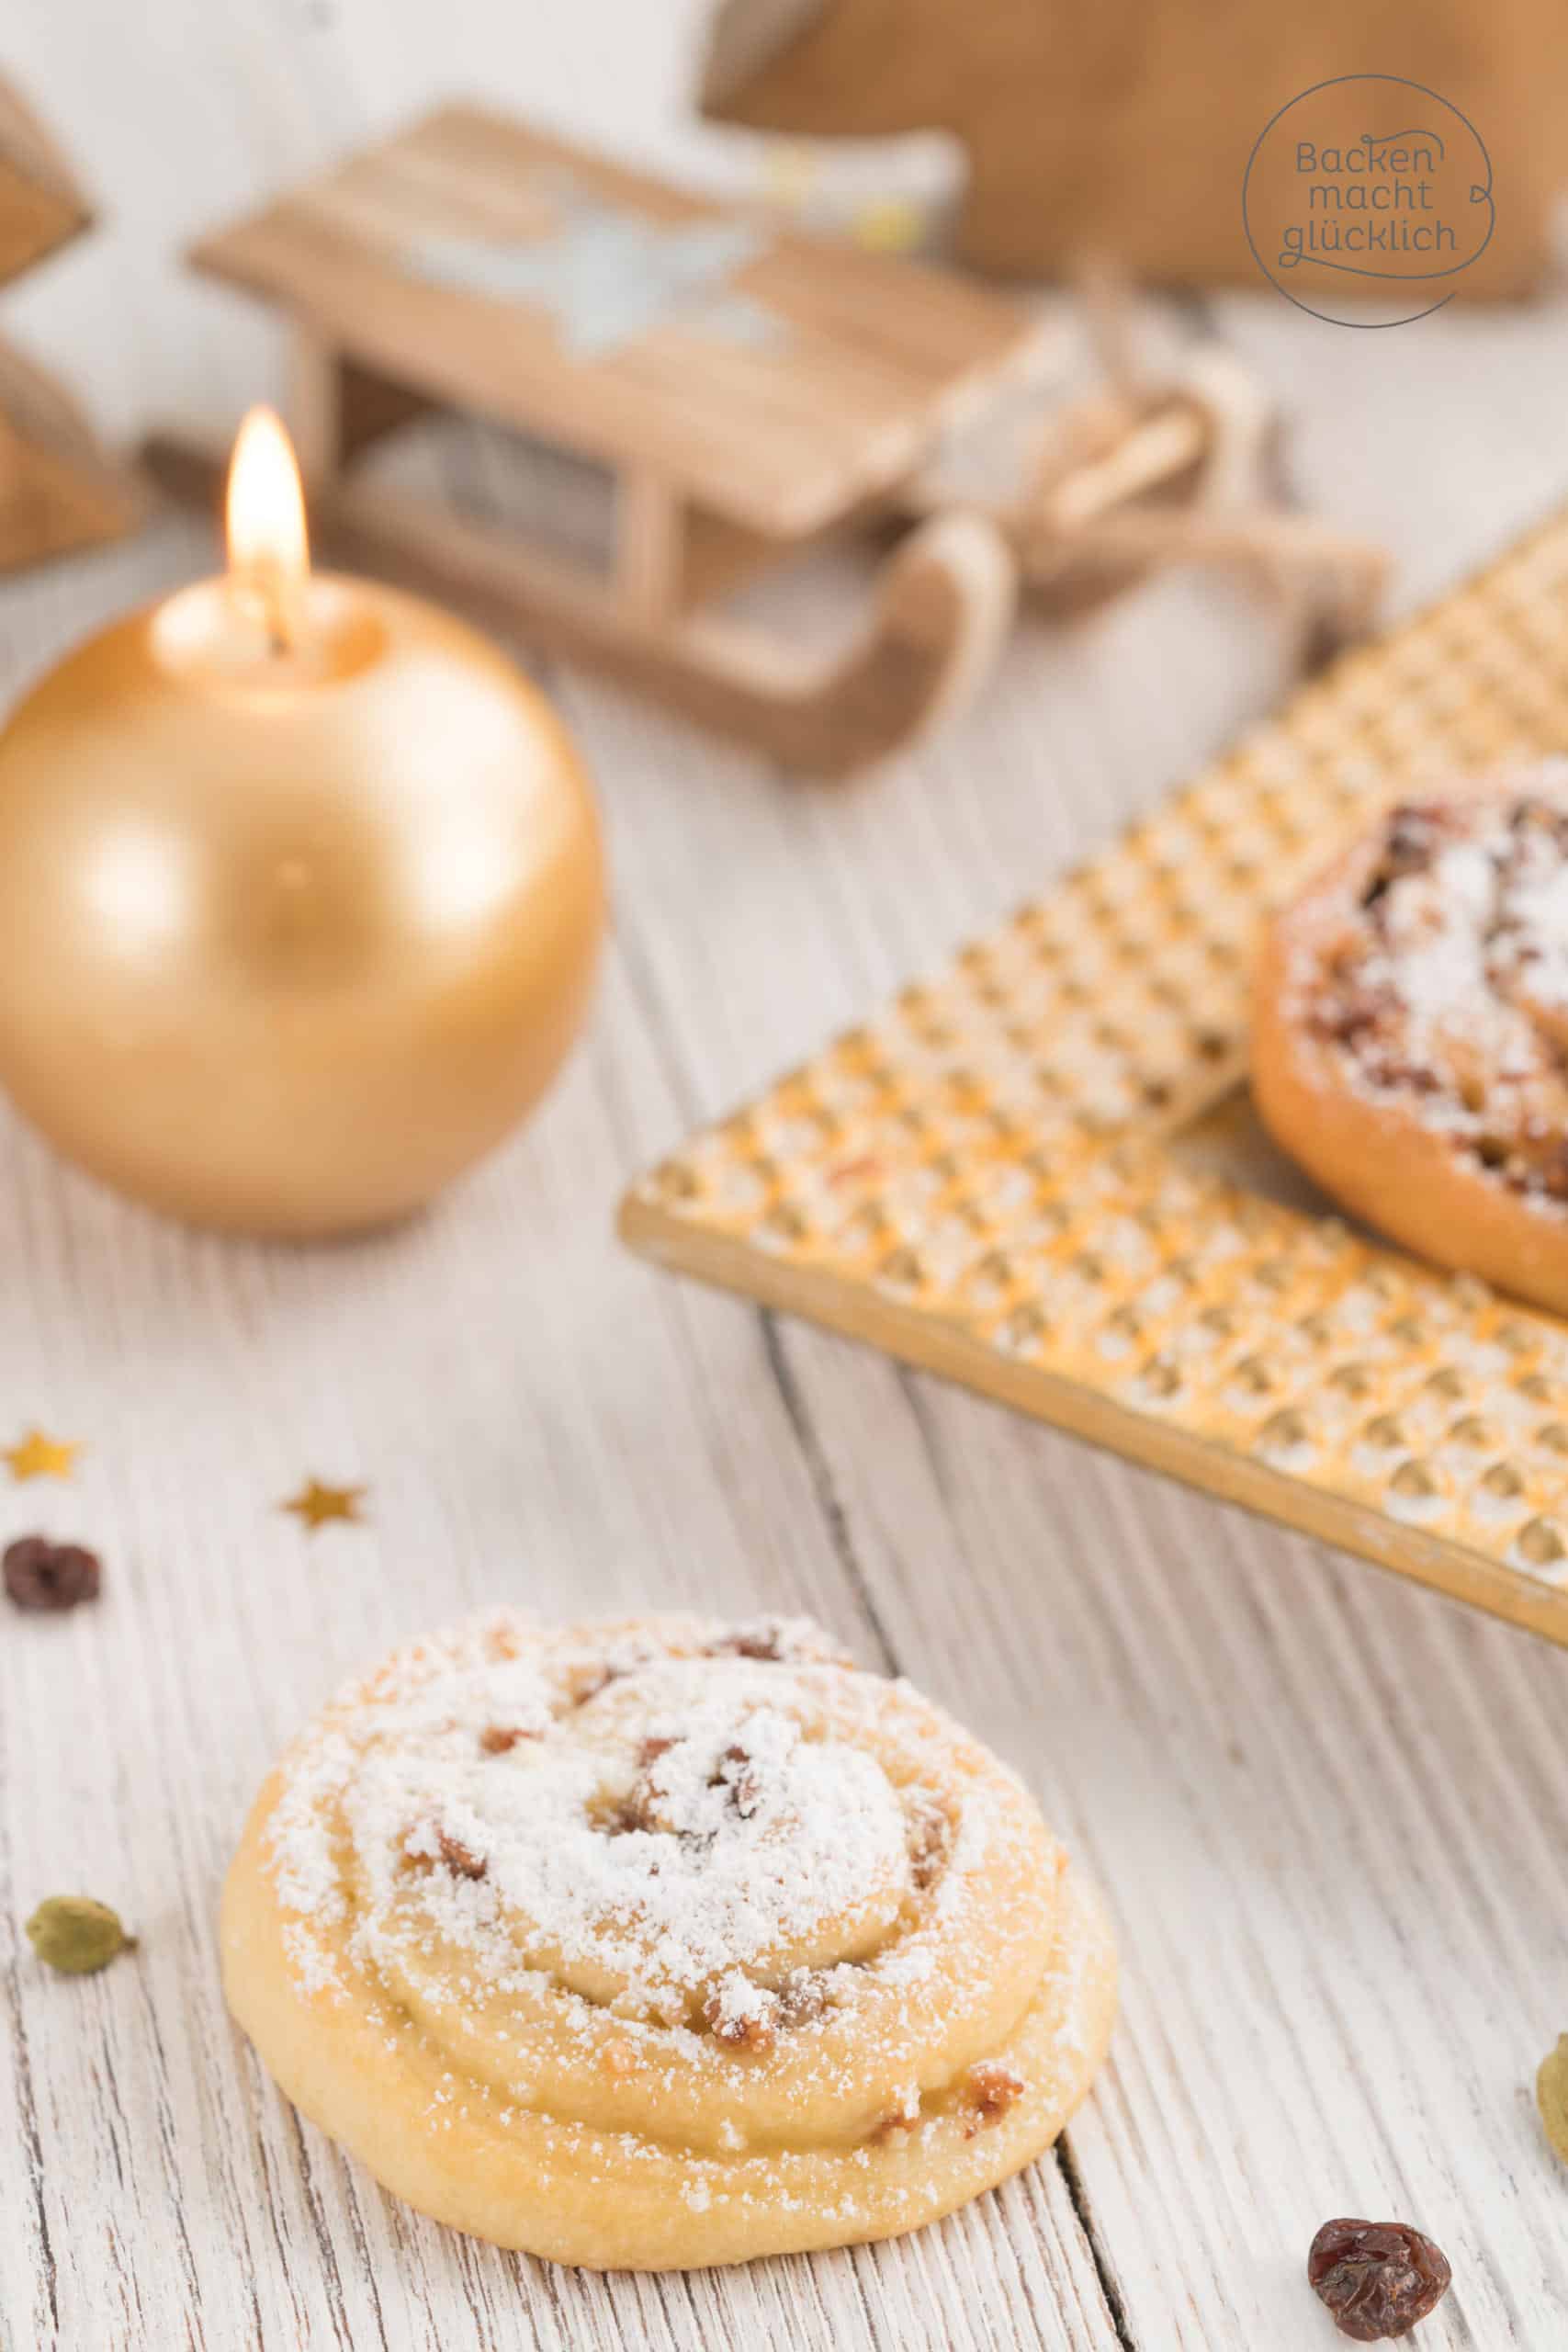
x=954, y=321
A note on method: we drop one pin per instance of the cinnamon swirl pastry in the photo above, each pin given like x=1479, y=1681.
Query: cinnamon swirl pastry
x=1410, y=1029
x=663, y=1942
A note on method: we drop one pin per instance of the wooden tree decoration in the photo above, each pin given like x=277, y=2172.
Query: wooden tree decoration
x=59, y=491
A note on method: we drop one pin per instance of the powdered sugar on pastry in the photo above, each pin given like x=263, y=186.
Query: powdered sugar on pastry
x=723, y=1848
x=1442, y=985
x=669, y=1893
x=664, y=1845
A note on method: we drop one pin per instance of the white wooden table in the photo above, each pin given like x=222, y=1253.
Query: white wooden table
x=1331, y=1811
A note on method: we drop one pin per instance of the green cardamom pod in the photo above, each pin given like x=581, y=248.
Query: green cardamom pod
x=73, y=1933
x=1551, y=2096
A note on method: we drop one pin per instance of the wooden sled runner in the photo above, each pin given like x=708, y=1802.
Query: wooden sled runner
x=747, y=391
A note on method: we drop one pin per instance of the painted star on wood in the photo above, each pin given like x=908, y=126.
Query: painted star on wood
x=315, y=1504
x=37, y=1457
x=607, y=276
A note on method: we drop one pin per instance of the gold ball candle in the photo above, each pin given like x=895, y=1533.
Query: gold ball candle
x=300, y=889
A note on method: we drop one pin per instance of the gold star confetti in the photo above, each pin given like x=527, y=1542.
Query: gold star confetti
x=315, y=1504
x=37, y=1457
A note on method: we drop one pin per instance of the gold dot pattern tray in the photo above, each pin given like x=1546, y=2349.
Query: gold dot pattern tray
x=1037, y=1173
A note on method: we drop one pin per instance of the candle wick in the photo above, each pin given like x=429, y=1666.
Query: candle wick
x=279, y=589
x=271, y=597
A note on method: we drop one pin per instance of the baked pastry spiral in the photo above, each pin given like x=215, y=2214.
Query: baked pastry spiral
x=1410, y=1029
x=662, y=1942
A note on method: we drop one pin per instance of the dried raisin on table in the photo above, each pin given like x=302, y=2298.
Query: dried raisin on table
x=1377, y=2278
x=41, y=1574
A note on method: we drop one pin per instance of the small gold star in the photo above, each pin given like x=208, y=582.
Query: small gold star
x=37, y=1457
x=315, y=1504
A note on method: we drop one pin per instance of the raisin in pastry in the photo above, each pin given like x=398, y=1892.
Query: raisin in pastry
x=1410, y=1029
x=663, y=1942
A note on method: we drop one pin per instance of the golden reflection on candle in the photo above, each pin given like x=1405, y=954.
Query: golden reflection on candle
x=314, y=875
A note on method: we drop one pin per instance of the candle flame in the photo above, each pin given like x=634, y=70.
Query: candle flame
x=269, y=553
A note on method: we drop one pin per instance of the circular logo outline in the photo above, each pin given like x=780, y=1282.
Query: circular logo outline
x=1372, y=326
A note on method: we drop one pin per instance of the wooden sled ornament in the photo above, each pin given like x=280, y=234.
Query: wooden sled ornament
x=749, y=390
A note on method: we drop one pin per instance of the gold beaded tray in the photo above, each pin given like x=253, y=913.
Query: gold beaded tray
x=1039, y=1172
